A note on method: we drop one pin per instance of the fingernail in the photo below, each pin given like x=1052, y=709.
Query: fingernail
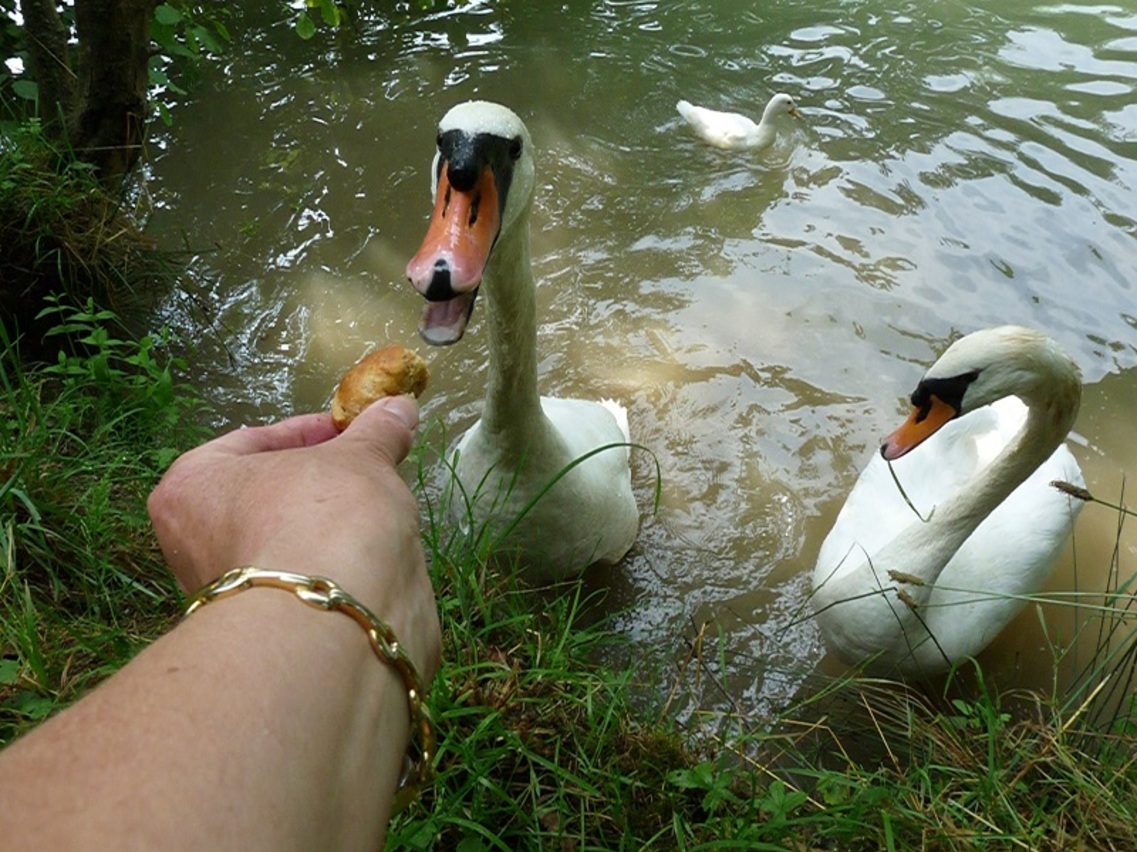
x=403, y=407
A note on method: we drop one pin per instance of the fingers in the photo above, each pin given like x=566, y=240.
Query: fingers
x=303, y=430
x=389, y=423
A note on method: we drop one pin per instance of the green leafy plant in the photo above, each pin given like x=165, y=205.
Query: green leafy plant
x=332, y=13
x=129, y=382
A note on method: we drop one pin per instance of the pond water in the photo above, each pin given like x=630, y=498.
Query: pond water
x=762, y=316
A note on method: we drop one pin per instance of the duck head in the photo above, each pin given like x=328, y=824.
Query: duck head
x=482, y=182
x=780, y=104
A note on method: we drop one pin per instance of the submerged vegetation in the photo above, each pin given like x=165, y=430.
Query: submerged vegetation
x=543, y=744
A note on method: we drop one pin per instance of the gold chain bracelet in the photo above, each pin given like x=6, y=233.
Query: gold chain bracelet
x=322, y=593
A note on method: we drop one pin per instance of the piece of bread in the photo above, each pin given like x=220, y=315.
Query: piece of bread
x=389, y=371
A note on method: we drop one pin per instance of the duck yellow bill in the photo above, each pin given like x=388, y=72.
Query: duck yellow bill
x=915, y=430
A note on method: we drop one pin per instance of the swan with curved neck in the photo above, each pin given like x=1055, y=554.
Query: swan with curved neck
x=478, y=240
x=917, y=595
x=732, y=131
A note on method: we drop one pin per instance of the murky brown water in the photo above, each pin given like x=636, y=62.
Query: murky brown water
x=761, y=316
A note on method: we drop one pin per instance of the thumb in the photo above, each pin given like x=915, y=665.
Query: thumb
x=387, y=425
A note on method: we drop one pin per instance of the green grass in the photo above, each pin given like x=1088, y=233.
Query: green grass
x=544, y=747
x=64, y=232
x=544, y=742
x=82, y=441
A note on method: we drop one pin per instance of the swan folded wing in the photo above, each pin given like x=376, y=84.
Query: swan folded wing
x=877, y=508
x=586, y=510
x=596, y=505
x=584, y=426
x=1017, y=545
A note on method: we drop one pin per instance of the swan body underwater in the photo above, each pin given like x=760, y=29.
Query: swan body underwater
x=916, y=596
x=732, y=131
x=478, y=240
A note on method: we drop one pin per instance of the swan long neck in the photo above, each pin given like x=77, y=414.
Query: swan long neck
x=1051, y=410
x=513, y=404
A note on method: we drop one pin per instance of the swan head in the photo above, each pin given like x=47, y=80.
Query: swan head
x=482, y=181
x=980, y=369
x=780, y=104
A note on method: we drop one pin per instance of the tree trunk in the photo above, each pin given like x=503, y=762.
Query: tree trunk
x=49, y=62
x=108, y=123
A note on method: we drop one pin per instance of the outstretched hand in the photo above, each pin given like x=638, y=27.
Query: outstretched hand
x=257, y=701
x=297, y=496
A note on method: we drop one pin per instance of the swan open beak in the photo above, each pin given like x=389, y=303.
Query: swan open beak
x=917, y=429
x=449, y=264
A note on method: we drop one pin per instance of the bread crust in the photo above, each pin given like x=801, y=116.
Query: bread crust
x=389, y=371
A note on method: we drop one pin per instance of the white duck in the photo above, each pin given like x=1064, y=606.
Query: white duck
x=733, y=131
x=917, y=596
x=483, y=183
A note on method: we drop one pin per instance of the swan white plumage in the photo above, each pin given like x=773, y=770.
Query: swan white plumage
x=917, y=596
x=732, y=131
x=483, y=183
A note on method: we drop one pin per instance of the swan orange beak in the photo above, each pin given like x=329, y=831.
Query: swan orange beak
x=919, y=426
x=449, y=264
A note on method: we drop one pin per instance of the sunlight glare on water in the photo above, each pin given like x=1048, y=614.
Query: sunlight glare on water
x=762, y=316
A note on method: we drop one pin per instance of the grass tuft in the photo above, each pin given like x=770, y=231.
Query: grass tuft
x=82, y=441
x=64, y=233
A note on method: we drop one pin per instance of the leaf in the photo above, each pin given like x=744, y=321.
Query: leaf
x=205, y=37
x=26, y=89
x=168, y=15
x=31, y=705
x=699, y=777
x=9, y=672
x=331, y=13
x=305, y=26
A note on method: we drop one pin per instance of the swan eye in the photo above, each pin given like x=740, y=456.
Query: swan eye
x=515, y=148
x=949, y=391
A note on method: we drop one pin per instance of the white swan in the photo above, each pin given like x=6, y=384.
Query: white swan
x=914, y=596
x=733, y=131
x=483, y=183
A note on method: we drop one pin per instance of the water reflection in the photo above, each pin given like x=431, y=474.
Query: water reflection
x=761, y=316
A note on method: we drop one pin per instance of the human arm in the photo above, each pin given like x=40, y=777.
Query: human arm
x=258, y=722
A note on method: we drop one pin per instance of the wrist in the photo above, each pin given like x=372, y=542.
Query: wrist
x=324, y=594
x=385, y=572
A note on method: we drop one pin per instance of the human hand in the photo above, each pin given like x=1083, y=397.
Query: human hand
x=295, y=496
